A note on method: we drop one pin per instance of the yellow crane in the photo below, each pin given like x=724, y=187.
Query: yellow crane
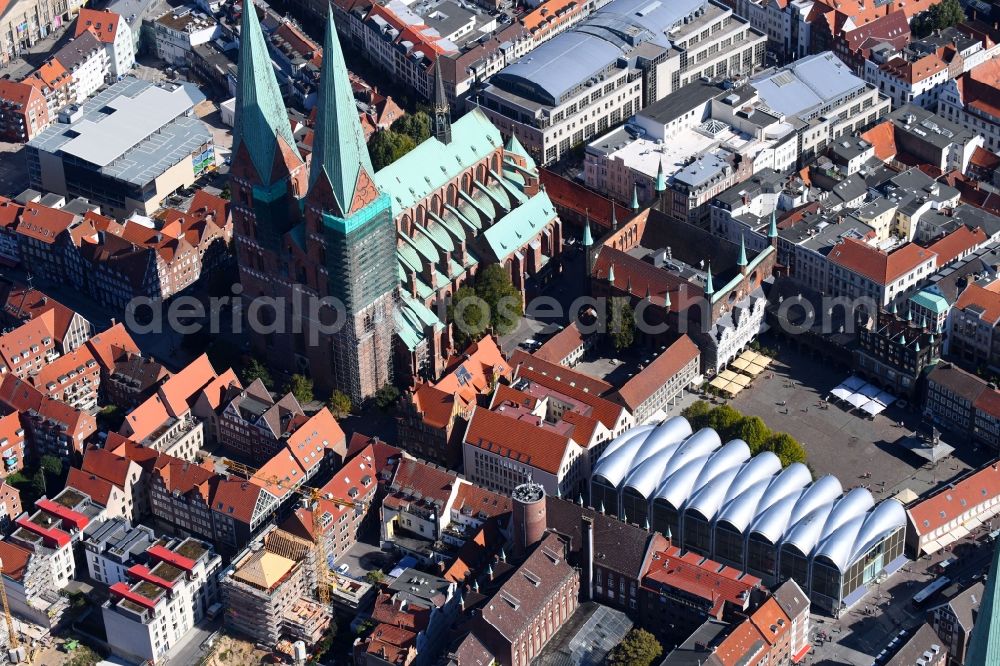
x=14, y=643
x=320, y=565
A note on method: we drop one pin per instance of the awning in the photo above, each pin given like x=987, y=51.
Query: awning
x=869, y=391
x=873, y=408
x=742, y=380
x=856, y=399
x=853, y=383
x=728, y=375
x=840, y=393
x=740, y=363
x=800, y=655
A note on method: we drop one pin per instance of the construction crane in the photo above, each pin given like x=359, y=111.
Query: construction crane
x=320, y=565
x=14, y=643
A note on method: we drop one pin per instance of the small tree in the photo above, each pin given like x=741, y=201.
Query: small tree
x=52, y=465
x=753, y=431
x=725, y=420
x=638, y=648
x=255, y=370
x=469, y=316
x=301, y=387
x=494, y=286
x=387, y=146
x=786, y=448
x=622, y=324
x=697, y=414
x=375, y=576
x=386, y=396
x=339, y=404
x=417, y=126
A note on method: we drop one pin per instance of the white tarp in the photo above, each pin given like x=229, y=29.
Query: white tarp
x=853, y=383
x=841, y=393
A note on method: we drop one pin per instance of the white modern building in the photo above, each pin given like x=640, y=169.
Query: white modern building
x=162, y=601
x=747, y=511
x=116, y=36
x=176, y=32
x=113, y=547
x=87, y=62
x=625, y=56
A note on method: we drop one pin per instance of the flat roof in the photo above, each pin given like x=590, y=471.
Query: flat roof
x=807, y=84
x=132, y=131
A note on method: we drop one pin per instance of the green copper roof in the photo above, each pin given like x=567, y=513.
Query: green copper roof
x=931, y=301
x=635, y=197
x=412, y=318
x=588, y=239
x=984, y=646
x=432, y=164
x=339, y=150
x=742, y=261
x=661, y=178
x=260, y=112
x=517, y=227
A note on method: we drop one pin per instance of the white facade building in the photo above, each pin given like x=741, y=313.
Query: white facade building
x=166, y=599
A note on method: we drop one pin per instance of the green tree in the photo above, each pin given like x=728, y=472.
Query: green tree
x=753, y=431
x=386, y=396
x=255, y=370
x=469, y=316
x=697, y=414
x=494, y=286
x=39, y=487
x=301, y=387
x=375, y=576
x=322, y=647
x=638, y=648
x=417, y=126
x=725, y=420
x=940, y=16
x=340, y=404
x=110, y=417
x=622, y=323
x=387, y=146
x=786, y=448
x=52, y=465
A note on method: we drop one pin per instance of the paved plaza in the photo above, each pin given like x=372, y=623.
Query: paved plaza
x=789, y=397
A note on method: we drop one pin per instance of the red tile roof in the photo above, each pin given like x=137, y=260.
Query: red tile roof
x=15, y=560
x=701, y=577
x=109, y=466
x=744, y=646
x=105, y=345
x=534, y=368
x=184, y=385
x=314, y=438
x=988, y=402
x=772, y=622
x=958, y=243
x=431, y=482
x=437, y=407
x=986, y=300
x=104, y=24
x=567, y=194
x=518, y=440
x=166, y=555
x=143, y=421
x=938, y=510
x=29, y=334
x=561, y=345
x=235, y=497
x=43, y=223
x=472, y=498
x=878, y=266
x=474, y=372
x=19, y=395
x=648, y=380
x=97, y=488
x=883, y=138
x=26, y=303
x=18, y=93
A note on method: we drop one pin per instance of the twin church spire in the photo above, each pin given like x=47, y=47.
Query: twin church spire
x=340, y=174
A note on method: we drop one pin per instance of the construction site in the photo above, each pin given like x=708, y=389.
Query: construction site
x=269, y=591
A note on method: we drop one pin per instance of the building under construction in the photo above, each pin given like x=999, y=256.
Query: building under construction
x=269, y=591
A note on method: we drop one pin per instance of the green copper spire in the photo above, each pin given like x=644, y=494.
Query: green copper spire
x=709, y=286
x=666, y=299
x=339, y=150
x=772, y=231
x=614, y=216
x=260, y=112
x=984, y=646
x=742, y=261
x=611, y=279
x=588, y=238
x=902, y=338
x=635, y=198
x=661, y=178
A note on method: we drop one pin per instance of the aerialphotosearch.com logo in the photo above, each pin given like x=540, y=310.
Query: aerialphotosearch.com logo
x=317, y=317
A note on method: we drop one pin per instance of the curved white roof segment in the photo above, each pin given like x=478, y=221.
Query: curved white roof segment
x=647, y=474
x=741, y=510
x=631, y=448
x=822, y=491
x=805, y=533
x=676, y=489
x=853, y=504
x=708, y=499
x=761, y=466
x=838, y=546
x=701, y=443
x=882, y=520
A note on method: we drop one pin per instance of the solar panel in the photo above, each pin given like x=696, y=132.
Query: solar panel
x=463, y=375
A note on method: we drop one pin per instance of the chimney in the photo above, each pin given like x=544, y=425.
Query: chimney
x=587, y=557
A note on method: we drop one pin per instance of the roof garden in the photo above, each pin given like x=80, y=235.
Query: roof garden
x=191, y=549
x=70, y=498
x=132, y=606
x=167, y=571
x=149, y=590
